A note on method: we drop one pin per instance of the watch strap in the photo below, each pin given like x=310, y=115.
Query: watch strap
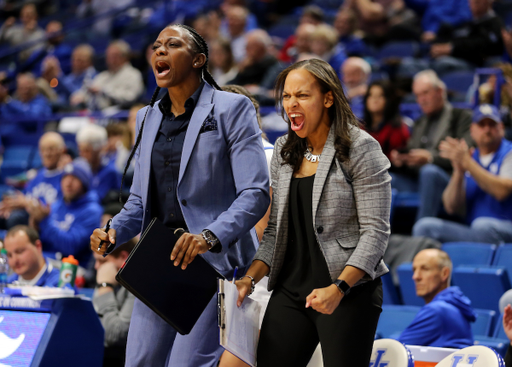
x=212, y=241
x=105, y=284
x=342, y=286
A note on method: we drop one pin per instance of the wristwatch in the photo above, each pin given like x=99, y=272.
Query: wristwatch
x=104, y=285
x=212, y=241
x=342, y=286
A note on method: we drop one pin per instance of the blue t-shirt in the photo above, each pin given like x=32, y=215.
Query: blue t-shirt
x=45, y=186
x=37, y=107
x=50, y=278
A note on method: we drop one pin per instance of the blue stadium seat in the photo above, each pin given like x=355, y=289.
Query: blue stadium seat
x=378, y=76
x=503, y=258
x=16, y=160
x=469, y=253
x=282, y=31
x=499, y=332
x=407, y=287
x=11, y=169
x=390, y=296
x=498, y=340
x=482, y=285
x=394, y=319
x=411, y=110
x=407, y=200
x=19, y=154
x=483, y=326
x=36, y=160
x=397, y=50
x=458, y=81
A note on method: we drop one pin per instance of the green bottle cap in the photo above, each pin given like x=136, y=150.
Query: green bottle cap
x=3, y=251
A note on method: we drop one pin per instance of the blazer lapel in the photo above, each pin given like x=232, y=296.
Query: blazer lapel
x=203, y=107
x=285, y=178
x=322, y=170
x=151, y=127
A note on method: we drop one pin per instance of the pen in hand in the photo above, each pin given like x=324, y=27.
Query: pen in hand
x=234, y=274
x=107, y=228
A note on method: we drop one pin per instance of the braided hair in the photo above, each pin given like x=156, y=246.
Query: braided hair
x=200, y=47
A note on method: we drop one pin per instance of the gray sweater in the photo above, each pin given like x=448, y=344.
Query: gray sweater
x=115, y=311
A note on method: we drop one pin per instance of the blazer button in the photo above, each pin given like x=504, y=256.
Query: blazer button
x=184, y=202
x=320, y=229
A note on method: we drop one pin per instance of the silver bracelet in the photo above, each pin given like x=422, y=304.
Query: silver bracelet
x=253, y=284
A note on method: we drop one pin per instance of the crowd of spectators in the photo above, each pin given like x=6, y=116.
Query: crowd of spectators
x=454, y=157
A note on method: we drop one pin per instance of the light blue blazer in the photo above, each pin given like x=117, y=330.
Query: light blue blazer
x=223, y=180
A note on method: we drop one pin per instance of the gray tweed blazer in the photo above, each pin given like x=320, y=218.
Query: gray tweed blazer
x=351, y=204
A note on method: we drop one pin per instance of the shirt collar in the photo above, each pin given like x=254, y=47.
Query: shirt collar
x=34, y=280
x=165, y=104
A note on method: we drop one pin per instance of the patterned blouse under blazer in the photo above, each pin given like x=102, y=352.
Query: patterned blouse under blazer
x=351, y=205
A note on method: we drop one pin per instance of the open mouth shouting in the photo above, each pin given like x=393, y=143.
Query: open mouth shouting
x=162, y=69
x=296, y=120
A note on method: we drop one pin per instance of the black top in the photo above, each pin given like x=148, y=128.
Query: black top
x=165, y=161
x=304, y=267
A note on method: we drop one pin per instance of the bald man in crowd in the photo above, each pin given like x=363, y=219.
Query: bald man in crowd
x=355, y=73
x=445, y=319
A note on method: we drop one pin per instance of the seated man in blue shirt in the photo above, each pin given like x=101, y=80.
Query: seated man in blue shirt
x=45, y=186
x=445, y=319
x=25, y=256
x=65, y=227
x=28, y=102
x=480, y=188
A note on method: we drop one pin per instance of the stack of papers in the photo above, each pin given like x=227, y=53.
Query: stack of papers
x=239, y=326
x=38, y=293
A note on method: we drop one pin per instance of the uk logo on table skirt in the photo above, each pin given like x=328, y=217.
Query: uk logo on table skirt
x=20, y=334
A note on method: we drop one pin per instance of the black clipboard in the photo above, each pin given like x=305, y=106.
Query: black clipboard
x=177, y=296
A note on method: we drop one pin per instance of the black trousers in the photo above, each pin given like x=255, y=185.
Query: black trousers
x=290, y=332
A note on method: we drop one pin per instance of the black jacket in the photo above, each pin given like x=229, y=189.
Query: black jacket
x=474, y=41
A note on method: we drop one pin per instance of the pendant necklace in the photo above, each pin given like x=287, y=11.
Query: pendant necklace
x=313, y=158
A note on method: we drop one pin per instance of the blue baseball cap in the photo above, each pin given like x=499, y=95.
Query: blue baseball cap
x=486, y=111
x=81, y=170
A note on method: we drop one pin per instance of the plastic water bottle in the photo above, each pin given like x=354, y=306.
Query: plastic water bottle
x=4, y=269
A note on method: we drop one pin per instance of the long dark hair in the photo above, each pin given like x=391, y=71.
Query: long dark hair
x=342, y=117
x=199, y=47
x=391, y=108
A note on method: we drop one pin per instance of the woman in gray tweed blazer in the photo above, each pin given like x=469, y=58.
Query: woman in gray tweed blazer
x=328, y=228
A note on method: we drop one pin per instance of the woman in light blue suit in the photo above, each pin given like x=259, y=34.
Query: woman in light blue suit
x=200, y=164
